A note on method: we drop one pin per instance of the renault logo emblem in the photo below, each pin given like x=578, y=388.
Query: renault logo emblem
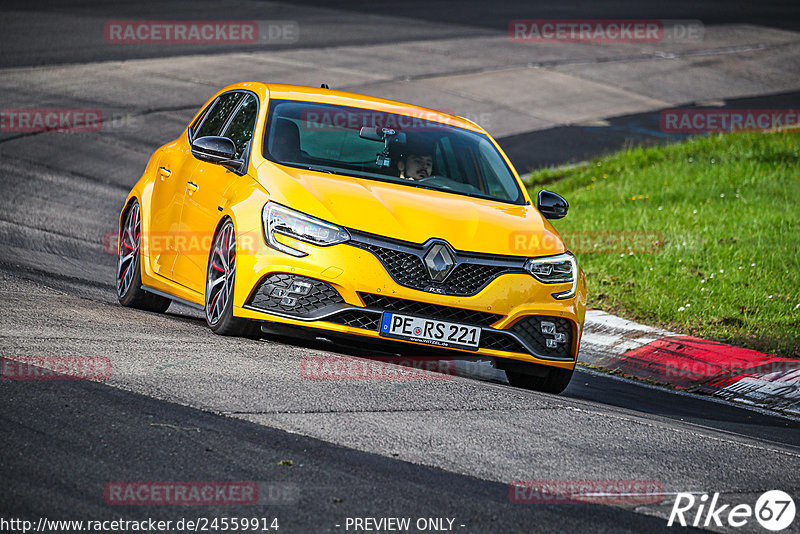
x=439, y=262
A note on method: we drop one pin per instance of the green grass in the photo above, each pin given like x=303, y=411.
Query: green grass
x=701, y=237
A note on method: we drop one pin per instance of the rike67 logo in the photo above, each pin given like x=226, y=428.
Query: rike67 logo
x=774, y=510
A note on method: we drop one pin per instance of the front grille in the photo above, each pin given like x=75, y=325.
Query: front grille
x=530, y=330
x=403, y=261
x=431, y=311
x=279, y=293
x=357, y=319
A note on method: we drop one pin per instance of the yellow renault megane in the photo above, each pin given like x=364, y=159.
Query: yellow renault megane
x=350, y=215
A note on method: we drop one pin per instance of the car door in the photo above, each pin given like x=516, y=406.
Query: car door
x=169, y=188
x=204, y=197
x=176, y=165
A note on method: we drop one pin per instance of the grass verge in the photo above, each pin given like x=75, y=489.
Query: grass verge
x=700, y=237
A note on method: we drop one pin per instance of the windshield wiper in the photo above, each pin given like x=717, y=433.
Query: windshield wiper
x=455, y=192
x=395, y=180
x=317, y=169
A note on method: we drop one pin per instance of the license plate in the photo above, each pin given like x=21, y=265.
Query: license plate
x=430, y=331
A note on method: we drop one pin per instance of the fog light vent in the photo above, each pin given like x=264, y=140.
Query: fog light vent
x=298, y=296
x=548, y=336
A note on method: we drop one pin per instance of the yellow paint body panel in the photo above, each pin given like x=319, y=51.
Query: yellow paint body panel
x=171, y=211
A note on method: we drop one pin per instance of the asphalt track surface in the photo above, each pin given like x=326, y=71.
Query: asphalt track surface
x=183, y=404
x=65, y=31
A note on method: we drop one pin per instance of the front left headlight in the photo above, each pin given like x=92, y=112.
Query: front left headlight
x=279, y=219
x=558, y=269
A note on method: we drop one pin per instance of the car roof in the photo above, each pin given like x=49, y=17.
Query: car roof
x=345, y=98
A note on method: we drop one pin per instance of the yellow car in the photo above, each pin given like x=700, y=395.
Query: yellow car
x=347, y=215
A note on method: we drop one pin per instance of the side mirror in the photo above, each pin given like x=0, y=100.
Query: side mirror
x=213, y=149
x=551, y=205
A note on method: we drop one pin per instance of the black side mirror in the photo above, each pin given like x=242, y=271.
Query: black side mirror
x=213, y=149
x=551, y=205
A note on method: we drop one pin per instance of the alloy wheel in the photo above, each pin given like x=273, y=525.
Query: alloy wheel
x=128, y=250
x=221, y=272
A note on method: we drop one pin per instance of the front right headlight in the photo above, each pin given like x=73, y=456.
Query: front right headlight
x=281, y=220
x=558, y=269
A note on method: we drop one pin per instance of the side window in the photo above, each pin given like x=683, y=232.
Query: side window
x=240, y=128
x=199, y=121
x=219, y=113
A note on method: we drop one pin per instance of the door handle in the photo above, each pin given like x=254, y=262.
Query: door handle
x=163, y=171
x=192, y=186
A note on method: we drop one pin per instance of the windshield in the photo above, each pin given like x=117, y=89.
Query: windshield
x=402, y=149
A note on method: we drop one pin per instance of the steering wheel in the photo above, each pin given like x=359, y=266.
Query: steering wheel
x=436, y=177
x=443, y=182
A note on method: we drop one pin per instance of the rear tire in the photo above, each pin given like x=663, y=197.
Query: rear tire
x=220, y=278
x=129, y=272
x=555, y=380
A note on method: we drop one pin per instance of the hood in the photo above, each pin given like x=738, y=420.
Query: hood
x=412, y=214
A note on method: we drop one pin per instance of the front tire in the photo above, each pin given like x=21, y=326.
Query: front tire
x=220, y=277
x=129, y=269
x=555, y=380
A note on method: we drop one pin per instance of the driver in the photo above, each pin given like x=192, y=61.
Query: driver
x=415, y=166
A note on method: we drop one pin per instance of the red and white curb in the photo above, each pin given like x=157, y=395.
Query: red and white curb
x=690, y=363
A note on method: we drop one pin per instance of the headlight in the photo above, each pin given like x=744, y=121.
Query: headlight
x=282, y=220
x=559, y=269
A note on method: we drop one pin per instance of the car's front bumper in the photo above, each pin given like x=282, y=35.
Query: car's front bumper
x=351, y=287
